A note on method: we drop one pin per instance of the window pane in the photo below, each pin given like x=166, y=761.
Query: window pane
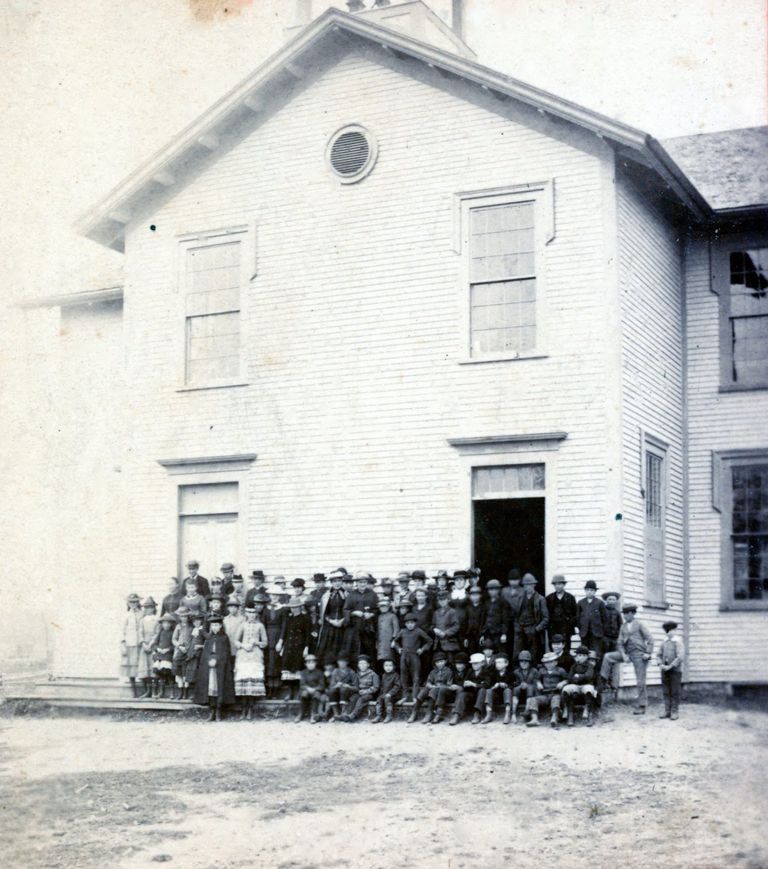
x=653, y=464
x=501, y=242
x=503, y=317
x=749, y=274
x=750, y=348
x=750, y=532
x=213, y=347
x=497, y=481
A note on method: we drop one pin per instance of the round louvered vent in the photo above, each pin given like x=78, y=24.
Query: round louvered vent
x=351, y=153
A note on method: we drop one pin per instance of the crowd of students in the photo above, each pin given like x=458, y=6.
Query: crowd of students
x=448, y=645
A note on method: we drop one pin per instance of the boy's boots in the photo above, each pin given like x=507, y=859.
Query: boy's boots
x=378, y=716
x=438, y=716
x=534, y=722
x=211, y=710
x=314, y=710
x=147, y=689
x=388, y=706
x=514, y=710
x=414, y=712
x=570, y=714
x=508, y=715
x=454, y=720
x=218, y=712
x=553, y=720
x=488, y=715
x=428, y=714
x=476, y=717
x=134, y=690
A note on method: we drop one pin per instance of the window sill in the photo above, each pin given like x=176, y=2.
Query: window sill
x=477, y=360
x=656, y=605
x=223, y=385
x=746, y=387
x=744, y=606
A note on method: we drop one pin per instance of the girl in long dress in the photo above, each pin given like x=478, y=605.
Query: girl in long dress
x=130, y=641
x=274, y=619
x=147, y=628
x=250, y=642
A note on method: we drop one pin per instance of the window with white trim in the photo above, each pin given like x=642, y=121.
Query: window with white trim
x=655, y=491
x=741, y=282
x=502, y=234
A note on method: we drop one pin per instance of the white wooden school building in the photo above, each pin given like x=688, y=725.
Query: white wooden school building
x=388, y=308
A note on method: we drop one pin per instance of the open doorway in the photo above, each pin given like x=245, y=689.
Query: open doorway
x=509, y=532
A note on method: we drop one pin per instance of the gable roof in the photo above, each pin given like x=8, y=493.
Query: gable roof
x=730, y=168
x=105, y=223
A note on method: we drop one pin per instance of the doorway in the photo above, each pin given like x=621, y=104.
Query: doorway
x=509, y=532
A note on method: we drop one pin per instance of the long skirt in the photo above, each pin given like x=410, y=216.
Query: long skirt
x=274, y=668
x=329, y=644
x=129, y=663
x=144, y=670
x=249, y=673
x=190, y=671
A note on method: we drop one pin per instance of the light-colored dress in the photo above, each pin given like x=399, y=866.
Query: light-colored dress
x=147, y=628
x=131, y=634
x=249, y=662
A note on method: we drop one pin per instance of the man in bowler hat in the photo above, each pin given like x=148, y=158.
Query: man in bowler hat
x=591, y=623
x=563, y=612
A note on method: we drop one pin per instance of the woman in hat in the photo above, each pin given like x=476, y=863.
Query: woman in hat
x=130, y=640
x=298, y=627
x=274, y=618
x=147, y=628
x=250, y=642
x=331, y=620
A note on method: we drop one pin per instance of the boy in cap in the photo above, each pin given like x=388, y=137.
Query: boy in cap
x=500, y=687
x=410, y=643
x=200, y=582
x=591, y=624
x=445, y=627
x=343, y=685
x=563, y=612
x=311, y=687
x=670, y=658
x=497, y=616
x=471, y=689
x=550, y=682
x=389, y=692
x=581, y=683
x=524, y=682
x=635, y=645
x=368, y=684
x=387, y=626
x=435, y=691
x=473, y=620
x=531, y=620
x=612, y=622
x=564, y=658
x=459, y=589
x=227, y=574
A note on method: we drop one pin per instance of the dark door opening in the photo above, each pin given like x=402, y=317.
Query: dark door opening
x=509, y=532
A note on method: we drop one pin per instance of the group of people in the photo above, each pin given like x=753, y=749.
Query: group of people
x=448, y=644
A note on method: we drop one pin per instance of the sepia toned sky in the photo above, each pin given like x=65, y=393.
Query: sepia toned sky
x=91, y=88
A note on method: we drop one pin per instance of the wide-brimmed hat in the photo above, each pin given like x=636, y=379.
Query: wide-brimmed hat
x=548, y=658
x=558, y=578
x=669, y=626
x=606, y=594
x=227, y=566
x=133, y=598
x=528, y=579
x=148, y=602
x=168, y=617
x=214, y=617
x=629, y=608
x=296, y=602
x=183, y=611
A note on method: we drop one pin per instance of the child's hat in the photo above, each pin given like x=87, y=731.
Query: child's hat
x=501, y=656
x=559, y=579
x=493, y=583
x=528, y=579
x=418, y=574
x=629, y=608
x=168, y=617
x=214, y=617
x=409, y=617
x=404, y=604
x=310, y=658
x=227, y=566
x=388, y=660
x=524, y=656
x=606, y=594
x=548, y=658
x=582, y=650
x=557, y=638
x=459, y=574
x=249, y=607
x=669, y=626
x=148, y=602
x=460, y=658
x=298, y=582
x=183, y=611
x=363, y=658
x=384, y=601
x=477, y=658
x=590, y=583
x=216, y=596
x=476, y=590
x=439, y=656
x=440, y=574
x=260, y=597
x=133, y=597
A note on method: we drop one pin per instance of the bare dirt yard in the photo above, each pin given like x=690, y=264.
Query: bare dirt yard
x=103, y=791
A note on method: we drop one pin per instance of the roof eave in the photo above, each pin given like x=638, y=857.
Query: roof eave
x=72, y=300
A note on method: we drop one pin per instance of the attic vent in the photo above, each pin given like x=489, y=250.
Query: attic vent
x=351, y=153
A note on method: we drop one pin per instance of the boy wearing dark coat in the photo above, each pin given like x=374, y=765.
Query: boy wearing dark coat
x=435, y=691
x=471, y=684
x=531, y=620
x=342, y=686
x=368, y=684
x=410, y=643
x=389, y=692
x=387, y=626
x=524, y=680
x=473, y=620
x=612, y=621
x=550, y=682
x=591, y=622
x=215, y=685
x=311, y=687
x=497, y=616
x=563, y=612
x=500, y=687
x=445, y=627
x=581, y=682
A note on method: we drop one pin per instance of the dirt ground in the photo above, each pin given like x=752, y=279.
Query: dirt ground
x=98, y=791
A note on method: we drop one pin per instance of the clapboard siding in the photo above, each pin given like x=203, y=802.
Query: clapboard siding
x=353, y=335
x=651, y=282
x=717, y=421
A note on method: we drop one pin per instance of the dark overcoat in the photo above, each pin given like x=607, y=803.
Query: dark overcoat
x=216, y=647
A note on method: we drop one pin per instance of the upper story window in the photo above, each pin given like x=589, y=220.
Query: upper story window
x=503, y=234
x=214, y=269
x=741, y=281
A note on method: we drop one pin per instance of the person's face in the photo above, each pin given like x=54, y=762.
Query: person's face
x=439, y=664
x=311, y=665
x=581, y=659
x=488, y=654
x=232, y=609
x=611, y=602
x=336, y=583
x=193, y=571
x=493, y=593
x=442, y=581
x=459, y=582
x=228, y=574
x=250, y=615
x=475, y=599
x=412, y=585
x=460, y=668
x=529, y=590
x=411, y=625
x=501, y=665
x=328, y=670
x=389, y=667
x=295, y=610
x=135, y=605
x=477, y=668
x=442, y=604
x=215, y=627
x=383, y=609
x=421, y=596
x=590, y=593
x=362, y=666
x=343, y=665
x=191, y=587
x=148, y=610
x=628, y=617
x=172, y=586
x=550, y=665
x=361, y=584
x=557, y=648
x=524, y=665
x=559, y=587
x=197, y=622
